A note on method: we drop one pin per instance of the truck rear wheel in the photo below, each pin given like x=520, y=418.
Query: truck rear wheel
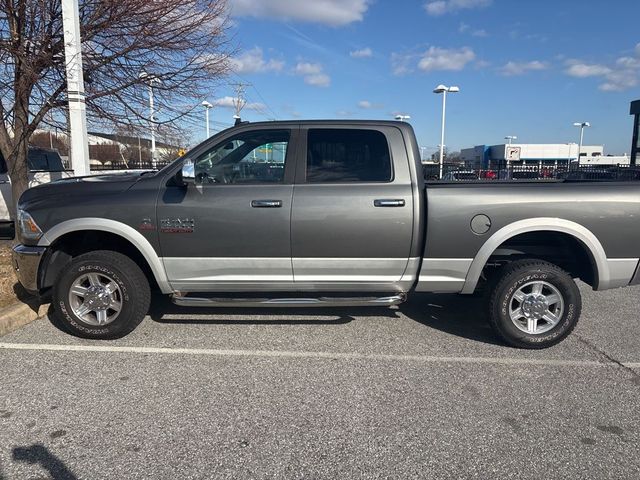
x=101, y=295
x=534, y=304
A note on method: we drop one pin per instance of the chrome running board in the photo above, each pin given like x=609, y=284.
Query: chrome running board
x=184, y=301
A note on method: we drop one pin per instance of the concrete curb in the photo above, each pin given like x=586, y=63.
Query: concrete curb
x=20, y=314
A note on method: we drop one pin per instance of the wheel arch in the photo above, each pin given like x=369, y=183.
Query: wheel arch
x=118, y=229
x=584, y=236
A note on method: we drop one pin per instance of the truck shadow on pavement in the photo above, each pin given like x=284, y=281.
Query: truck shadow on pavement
x=460, y=316
x=38, y=454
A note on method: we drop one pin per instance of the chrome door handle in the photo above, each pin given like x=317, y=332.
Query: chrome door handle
x=266, y=203
x=388, y=202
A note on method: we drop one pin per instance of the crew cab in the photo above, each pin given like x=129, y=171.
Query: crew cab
x=322, y=213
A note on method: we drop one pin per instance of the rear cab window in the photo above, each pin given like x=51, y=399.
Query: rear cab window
x=336, y=155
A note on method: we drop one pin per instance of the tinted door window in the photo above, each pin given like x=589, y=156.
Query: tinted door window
x=37, y=161
x=341, y=155
x=247, y=158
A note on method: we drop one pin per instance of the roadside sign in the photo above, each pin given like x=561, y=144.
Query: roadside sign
x=513, y=154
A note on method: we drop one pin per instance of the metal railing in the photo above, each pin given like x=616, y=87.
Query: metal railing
x=460, y=173
x=135, y=165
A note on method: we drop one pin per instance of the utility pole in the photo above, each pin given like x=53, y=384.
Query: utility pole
x=78, y=143
x=239, y=101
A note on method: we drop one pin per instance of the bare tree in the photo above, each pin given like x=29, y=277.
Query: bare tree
x=181, y=44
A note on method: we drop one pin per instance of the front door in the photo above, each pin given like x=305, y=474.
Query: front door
x=352, y=218
x=231, y=230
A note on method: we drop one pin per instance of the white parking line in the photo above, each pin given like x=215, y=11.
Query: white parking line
x=299, y=354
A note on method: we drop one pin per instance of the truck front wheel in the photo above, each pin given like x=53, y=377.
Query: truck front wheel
x=534, y=304
x=101, y=295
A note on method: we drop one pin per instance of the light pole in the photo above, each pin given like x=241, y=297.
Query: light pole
x=75, y=88
x=152, y=121
x=510, y=138
x=581, y=125
x=444, y=90
x=403, y=118
x=207, y=106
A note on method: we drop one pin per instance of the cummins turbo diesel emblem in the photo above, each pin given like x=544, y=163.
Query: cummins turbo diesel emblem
x=177, y=225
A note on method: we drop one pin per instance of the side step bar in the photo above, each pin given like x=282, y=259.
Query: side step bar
x=289, y=302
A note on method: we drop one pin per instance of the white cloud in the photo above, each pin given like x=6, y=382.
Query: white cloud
x=313, y=74
x=319, y=80
x=628, y=62
x=402, y=64
x=511, y=69
x=305, y=68
x=362, y=53
x=583, y=70
x=437, y=58
x=252, y=61
x=367, y=105
x=622, y=75
x=465, y=28
x=230, y=102
x=434, y=59
x=440, y=7
x=619, y=81
x=328, y=12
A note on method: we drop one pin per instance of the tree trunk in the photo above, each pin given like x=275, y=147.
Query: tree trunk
x=18, y=172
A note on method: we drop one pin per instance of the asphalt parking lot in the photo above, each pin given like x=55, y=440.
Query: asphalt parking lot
x=422, y=391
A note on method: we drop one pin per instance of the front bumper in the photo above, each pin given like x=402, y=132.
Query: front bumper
x=26, y=263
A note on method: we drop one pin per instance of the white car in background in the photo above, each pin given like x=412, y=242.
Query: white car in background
x=44, y=166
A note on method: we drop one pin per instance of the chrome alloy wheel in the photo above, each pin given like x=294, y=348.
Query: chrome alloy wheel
x=536, y=307
x=95, y=298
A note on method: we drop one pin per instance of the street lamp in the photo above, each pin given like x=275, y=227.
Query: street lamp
x=403, y=118
x=151, y=79
x=443, y=90
x=207, y=106
x=510, y=138
x=582, y=125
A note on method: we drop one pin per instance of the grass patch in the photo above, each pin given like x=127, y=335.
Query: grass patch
x=7, y=276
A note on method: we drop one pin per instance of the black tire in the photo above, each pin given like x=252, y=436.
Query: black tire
x=519, y=274
x=134, y=294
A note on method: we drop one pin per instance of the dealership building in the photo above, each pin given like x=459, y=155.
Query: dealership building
x=535, y=154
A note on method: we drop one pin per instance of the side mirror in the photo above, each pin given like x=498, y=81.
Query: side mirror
x=188, y=172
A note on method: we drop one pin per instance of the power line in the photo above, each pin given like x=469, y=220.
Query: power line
x=264, y=102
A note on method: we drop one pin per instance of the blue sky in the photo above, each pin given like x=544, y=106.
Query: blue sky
x=529, y=68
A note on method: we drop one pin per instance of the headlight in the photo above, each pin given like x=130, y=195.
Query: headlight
x=28, y=228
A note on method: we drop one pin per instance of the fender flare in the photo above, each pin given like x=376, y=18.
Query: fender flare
x=118, y=228
x=540, y=224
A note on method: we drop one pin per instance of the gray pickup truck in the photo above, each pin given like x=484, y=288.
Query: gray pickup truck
x=322, y=213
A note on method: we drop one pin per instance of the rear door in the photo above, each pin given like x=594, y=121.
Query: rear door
x=352, y=217
x=231, y=230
